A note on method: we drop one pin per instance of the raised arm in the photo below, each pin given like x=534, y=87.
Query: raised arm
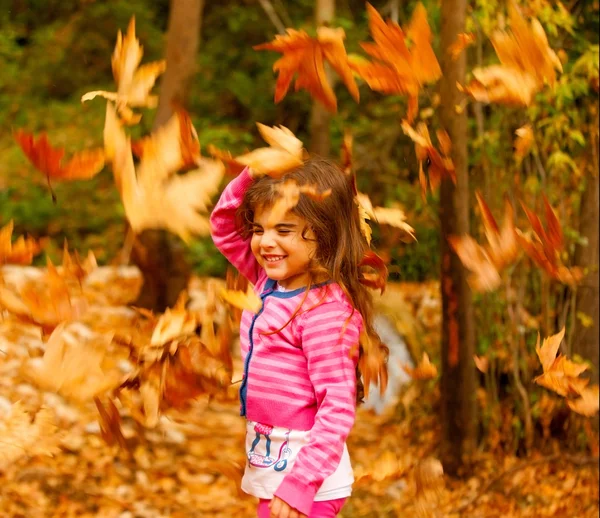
x=330, y=344
x=224, y=230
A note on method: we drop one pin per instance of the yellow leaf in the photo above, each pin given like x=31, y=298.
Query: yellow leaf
x=154, y=196
x=133, y=83
x=523, y=142
x=23, y=436
x=425, y=370
x=243, y=300
x=21, y=251
x=394, y=217
x=588, y=403
x=547, y=352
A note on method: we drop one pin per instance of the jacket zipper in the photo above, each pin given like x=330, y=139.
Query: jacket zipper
x=244, y=385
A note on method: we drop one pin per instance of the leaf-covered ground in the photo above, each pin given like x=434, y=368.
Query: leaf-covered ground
x=189, y=465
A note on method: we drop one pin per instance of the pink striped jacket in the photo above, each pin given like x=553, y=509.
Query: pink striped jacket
x=302, y=377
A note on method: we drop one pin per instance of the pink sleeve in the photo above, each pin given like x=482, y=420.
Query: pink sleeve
x=225, y=232
x=330, y=344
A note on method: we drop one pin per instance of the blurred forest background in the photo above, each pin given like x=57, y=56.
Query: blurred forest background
x=53, y=51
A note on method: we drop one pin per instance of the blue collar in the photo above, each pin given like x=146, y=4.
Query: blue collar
x=269, y=289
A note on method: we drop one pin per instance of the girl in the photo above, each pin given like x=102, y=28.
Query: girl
x=301, y=350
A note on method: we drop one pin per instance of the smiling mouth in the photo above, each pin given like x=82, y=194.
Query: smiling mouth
x=273, y=258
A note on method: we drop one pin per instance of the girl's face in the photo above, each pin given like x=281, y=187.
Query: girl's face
x=280, y=248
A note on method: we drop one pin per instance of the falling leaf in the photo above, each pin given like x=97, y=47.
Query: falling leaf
x=527, y=63
x=523, y=142
x=133, y=84
x=243, y=299
x=463, y=40
x=110, y=423
x=22, y=251
x=175, y=144
x=398, y=69
x=560, y=374
x=373, y=271
x=372, y=363
x=441, y=165
x=546, y=245
x=154, y=196
x=346, y=153
x=482, y=363
x=547, y=352
x=72, y=364
x=394, y=217
x=48, y=302
x=486, y=262
x=425, y=370
x=285, y=152
x=172, y=324
x=289, y=195
x=588, y=403
x=49, y=160
x=306, y=57
x=23, y=435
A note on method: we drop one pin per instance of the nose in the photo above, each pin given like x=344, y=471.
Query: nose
x=267, y=240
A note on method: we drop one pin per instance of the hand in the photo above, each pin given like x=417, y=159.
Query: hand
x=280, y=509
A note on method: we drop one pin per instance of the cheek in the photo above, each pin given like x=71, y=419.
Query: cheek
x=255, y=244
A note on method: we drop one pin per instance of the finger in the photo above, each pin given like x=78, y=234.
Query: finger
x=285, y=510
x=294, y=513
x=275, y=506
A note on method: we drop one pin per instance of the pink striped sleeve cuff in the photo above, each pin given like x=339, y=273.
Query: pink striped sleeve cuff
x=224, y=232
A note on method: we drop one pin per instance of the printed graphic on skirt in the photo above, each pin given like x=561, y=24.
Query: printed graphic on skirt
x=260, y=454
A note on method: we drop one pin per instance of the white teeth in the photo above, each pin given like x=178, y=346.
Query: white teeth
x=273, y=259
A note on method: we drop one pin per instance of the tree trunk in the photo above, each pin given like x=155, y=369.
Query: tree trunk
x=458, y=338
x=585, y=339
x=159, y=254
x=320, y=118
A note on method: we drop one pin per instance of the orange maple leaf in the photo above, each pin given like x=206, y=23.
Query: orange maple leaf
x=547, y=244
x=463, y=40
x=523, y=142
x=22, y=250
x=49, y=160
x=306, y=57
x=399, y=69
x=487, y=262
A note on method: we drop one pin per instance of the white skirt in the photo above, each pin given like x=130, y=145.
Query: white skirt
x=270, y=455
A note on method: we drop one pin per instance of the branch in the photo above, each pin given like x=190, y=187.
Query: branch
x=577, y=461
x=273, y=16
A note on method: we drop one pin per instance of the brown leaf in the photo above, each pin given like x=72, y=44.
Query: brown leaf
x=110, y=423
x=546, y=245
x=547, y=352
x=482, y=363
x=486, y=262
x=441, y=165
x=373, y=271
x=306, y=57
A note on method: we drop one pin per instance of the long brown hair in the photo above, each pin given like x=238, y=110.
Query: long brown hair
x=340, y=248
